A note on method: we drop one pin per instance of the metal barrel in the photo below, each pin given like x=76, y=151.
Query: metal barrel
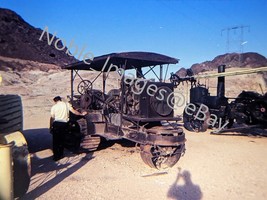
x=221, y=82
x=6, y=172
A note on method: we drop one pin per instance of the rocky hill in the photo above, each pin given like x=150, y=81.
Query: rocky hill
x=20, y=40
x=244, y=60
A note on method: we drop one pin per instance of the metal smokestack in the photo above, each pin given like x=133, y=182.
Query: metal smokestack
x=221, y=82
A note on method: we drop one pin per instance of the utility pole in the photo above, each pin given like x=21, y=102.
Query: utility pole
x=235, y=29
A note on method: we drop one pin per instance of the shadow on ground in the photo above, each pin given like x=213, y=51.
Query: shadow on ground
x=38, y=139
x=109, y=143
x=45, y=173
x=183, y=188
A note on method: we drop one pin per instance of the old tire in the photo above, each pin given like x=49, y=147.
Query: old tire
x=11, y=119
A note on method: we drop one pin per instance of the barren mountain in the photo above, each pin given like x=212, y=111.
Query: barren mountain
x=20, y=40
x=244, y=60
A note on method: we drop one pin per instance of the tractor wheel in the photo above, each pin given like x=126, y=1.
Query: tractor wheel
x=89, y=142
x=11, y=123
x=195, y=125
x=161, y=157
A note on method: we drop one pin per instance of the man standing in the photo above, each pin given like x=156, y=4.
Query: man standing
x=58, y=123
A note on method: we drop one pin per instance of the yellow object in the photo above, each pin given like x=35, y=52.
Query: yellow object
x=6, y=172
x=1, y=79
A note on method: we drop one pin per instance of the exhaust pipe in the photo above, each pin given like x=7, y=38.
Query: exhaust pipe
x=221, y=82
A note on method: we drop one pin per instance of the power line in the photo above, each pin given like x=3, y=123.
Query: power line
x=241, y=41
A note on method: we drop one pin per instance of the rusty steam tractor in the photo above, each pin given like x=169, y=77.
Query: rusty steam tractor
x=248, y=107
x=121, y=113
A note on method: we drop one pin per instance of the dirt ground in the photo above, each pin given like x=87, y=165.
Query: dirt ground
x=213, y=167
x=231, y=166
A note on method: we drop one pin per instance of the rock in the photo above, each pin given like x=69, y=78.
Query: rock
x=231, y=60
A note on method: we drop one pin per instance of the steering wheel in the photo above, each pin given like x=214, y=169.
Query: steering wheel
x=175, y=79
x=83, y=86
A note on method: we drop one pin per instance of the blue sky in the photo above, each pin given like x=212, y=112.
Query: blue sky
x=188, y=30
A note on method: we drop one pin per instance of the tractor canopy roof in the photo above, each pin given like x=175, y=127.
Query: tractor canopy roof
x=125, y=60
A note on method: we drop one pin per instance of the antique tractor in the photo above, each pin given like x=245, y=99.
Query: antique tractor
x=139, y=109
x=247, y=108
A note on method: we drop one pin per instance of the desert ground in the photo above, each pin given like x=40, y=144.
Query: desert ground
x=227, y=166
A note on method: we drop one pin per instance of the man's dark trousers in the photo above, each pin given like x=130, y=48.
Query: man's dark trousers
x=59, y=131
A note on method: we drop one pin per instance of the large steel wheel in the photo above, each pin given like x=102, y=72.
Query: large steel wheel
x=161, y=157
x=191, y=123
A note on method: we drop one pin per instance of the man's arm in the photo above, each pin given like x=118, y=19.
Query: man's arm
x=77, y=112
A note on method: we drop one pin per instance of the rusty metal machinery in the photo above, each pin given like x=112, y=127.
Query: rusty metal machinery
x=248, y=107
x=122, y=113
